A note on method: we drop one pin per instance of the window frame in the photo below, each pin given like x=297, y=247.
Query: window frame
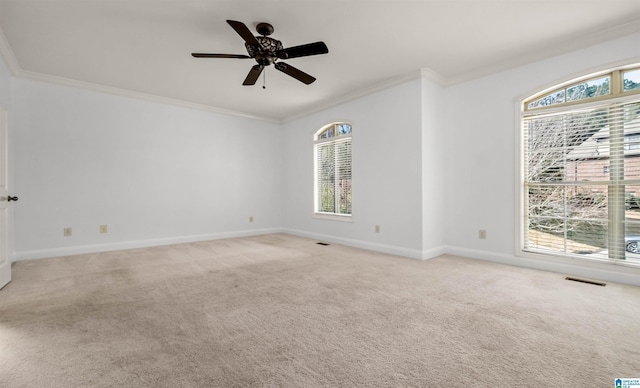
x=336, y=138
x=617, y=95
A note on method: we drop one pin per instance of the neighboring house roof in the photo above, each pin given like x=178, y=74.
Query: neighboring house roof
x=597, y=146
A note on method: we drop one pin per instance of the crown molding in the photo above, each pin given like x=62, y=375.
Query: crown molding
x=10, y=59
x=335, y=101
x=386, y=84
x=17, y=71
x=433, y=76
x=136, y=95
x=583, y=41
x=570, y=45
x=424, y=73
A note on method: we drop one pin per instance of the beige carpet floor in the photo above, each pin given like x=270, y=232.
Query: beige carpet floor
x=282, y=311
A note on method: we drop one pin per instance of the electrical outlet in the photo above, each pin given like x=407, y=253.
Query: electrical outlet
x=251, y=219
x=482, y=234
x=67, y=232
x=103, y=228
x=377, y=228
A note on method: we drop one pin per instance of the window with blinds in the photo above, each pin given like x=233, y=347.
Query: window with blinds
x=332, y=154
x=581, y=168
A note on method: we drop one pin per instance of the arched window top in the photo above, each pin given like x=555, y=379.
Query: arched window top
x=603, y=86
x=331, y=131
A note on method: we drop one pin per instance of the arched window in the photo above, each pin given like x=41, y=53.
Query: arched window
x=332, y=155
x=581, y=168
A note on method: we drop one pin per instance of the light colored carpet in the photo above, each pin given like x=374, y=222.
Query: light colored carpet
x=280, y=310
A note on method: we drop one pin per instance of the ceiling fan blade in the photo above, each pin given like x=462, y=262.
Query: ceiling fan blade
x=204, y=55
x=253, y=75
x=244, y=32
x=303, y=50
x=295, y=73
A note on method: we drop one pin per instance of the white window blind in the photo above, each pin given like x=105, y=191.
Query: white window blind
x=582, y=179
x=333, y=171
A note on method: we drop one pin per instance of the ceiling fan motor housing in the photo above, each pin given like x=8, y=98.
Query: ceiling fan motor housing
x=265, y=54
x=264, y=29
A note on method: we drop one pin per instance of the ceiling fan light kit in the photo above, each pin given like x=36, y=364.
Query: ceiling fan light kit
x=267, y=51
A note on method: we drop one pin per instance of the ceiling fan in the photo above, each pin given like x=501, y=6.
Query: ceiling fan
x=267, y=51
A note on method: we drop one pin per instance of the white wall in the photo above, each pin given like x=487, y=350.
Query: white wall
x=433, y=171
x=153, y=173
x=481, y=158
x=387, y=168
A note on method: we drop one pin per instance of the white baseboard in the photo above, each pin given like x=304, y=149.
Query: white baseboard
x=434, y=252
x=84, y=249
x=390, y=249
x=116, y=246
x=5, y=273
x=604, y=271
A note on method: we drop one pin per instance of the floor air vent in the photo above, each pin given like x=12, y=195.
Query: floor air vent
x=321, y=243
x=585, y=281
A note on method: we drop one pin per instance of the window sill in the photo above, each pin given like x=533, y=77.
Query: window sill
x=333, y=217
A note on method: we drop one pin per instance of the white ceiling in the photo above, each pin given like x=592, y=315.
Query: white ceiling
x=144, y=46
